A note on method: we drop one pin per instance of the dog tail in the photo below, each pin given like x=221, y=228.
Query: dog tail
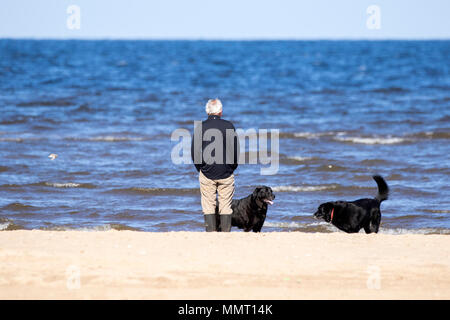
x=383, y=189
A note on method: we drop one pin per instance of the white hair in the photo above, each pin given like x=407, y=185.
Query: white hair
x=213, y=106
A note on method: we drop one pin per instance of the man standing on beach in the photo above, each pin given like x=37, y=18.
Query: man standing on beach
x=215, y=152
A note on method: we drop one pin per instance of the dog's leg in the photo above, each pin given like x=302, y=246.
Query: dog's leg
x=258, y=226
x=374, y=223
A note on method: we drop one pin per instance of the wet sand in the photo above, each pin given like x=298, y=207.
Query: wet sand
x=198, y=265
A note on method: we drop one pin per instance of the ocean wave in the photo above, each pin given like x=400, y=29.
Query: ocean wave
x=303, y=188
x=374, y=162
x=396, y=176
x=329, y=168
x=291, y=224
x=392, y=122
x=35, y=120
x=372, y=140
x=4, y=226
x=396, y=231
x=436, y=210
x=108, y=138
x=300, y=159
x=438, y=135
x=115, y=139
x=49, y=184
x=411, y=191
x=79, y=173
x=103, y=227
x=445, y=118
x=309, y=135
x=149, y=98
x=11, y=139
x=46, y=103
x=345, y=136
x=406, y=218
x=66, y=185
x=63, y=185
x=155, y=191
x=14, y=121
x=293, y=160
x=17, y=206
x=314, y=188
x=354, y=137
x=312, y=227
x=324, y=227
x=327, y=91
x=388, y=90
x=9, y=225
x=84, y=107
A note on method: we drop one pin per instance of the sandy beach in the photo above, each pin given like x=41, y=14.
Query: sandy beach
x=193, y=265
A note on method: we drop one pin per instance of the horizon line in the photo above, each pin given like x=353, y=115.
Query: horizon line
x=223, y=39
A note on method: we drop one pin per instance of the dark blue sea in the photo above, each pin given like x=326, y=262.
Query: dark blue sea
x=345, y=110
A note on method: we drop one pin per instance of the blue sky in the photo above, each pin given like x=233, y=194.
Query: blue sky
x=225, y=19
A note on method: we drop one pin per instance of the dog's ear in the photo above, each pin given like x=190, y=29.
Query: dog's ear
x=328, y=207
x=256, y=191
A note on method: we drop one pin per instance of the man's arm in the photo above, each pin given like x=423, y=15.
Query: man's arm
x=236, y=150
x=196, y=152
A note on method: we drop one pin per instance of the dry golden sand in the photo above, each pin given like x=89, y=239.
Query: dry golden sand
x=237, y=265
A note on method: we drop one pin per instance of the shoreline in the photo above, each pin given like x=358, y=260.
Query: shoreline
x=198, y=265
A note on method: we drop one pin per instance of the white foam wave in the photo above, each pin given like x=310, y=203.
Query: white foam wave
x=371, y=140
x=342, y=136
x=294, y=224
x=104, y=227
x=314, y=135
x=11, y=139
x=4, y=226
x=300, y=159
x=302, y=188
x=310, y=135
x=414, y=231
x=329, y=227
x=63, y=185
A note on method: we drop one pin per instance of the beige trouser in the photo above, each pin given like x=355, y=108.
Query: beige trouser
x=224, y=189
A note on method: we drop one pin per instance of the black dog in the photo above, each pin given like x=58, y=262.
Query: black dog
x=352, y=216
x=250, y=212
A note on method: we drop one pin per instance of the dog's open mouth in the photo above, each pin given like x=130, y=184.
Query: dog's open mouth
x=268, y=201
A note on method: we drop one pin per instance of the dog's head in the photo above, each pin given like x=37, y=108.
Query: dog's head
x=324, y=211
x=264, y=194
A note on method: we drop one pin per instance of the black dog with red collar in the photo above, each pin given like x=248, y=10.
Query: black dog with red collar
x=352, y=216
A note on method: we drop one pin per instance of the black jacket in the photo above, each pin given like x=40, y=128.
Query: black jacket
x=221, y=167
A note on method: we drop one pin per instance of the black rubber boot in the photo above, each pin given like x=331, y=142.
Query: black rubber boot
x=210, y=222
x=225, y=222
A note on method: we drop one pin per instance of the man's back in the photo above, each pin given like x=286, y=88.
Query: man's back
x=224, y=164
